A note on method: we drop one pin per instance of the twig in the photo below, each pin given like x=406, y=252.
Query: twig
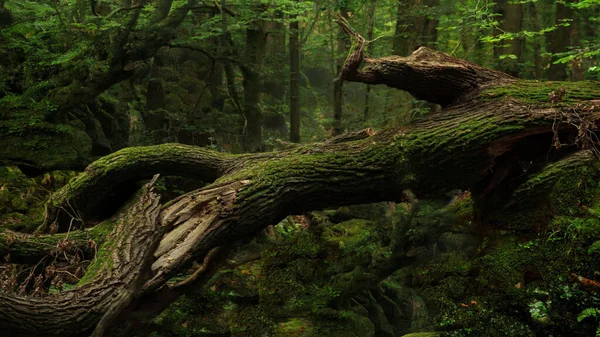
x=122, y=9
x=218, y=7
x=213, y=255
x=205, y=52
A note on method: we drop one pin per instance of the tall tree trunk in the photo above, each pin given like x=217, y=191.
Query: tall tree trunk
x=537, y=40
x=370, y=49
x=275, y=116
x=6, y=18
x=276, y=52
x=558, y=40
x=332, y=61
x=226, y=43
x=294, y=80
x=216, y=85
x=511, y=16
x=256, y=43
x=426, y=25
x=414, y=29
x=154, y=116
x=338, y=89
x=401, y=42
x=400, y=47
x=577, y=65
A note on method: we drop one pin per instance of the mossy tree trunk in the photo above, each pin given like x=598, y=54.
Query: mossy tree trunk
x=491, y=126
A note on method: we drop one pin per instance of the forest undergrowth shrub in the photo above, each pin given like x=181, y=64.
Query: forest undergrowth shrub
x=514, y=288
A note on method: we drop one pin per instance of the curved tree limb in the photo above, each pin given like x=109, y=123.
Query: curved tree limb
x=29, y=249
x=119, y=10
x=82, y=197
x=453, y=79
x=537, y=188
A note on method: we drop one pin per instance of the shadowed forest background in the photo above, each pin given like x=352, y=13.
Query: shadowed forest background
x=460, y=245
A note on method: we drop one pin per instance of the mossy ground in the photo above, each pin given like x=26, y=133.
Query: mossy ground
x=44, y=145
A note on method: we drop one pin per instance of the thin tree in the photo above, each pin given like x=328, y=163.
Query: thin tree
x=338, y=87
x=511, y=15
x=294, y=80
x=370, y=48
x=558, y=40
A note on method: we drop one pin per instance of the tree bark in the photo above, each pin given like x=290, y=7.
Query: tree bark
x=558, y=41
x=256, y=42
x=294, y=80
x=6, y=18
x=78, y=313
x=370, y=49
x=338, y=89
x=511, y=16
x=490, y=124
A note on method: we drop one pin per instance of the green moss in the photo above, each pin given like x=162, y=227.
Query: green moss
x=333, y=323
x=575, y=188
x=295, y=327
x=321, y=167
x=477, y=297
x=44, y=145
x=536, y=92
x=461, y=208
x=22, y=198
x=103, y=259
x=433, y=148
x=349, y=235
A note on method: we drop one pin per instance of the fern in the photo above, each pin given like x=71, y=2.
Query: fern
x=594, y=247
x=589, y=312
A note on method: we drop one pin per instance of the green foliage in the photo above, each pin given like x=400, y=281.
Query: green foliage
x=587, y=313
x=22, y=199
x=477, y=295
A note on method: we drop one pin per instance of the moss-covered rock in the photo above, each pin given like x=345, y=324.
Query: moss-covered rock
x=44, y=146
x=295, y=327
x=22, y=198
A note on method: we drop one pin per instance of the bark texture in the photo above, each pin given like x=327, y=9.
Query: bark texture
x=114, y=281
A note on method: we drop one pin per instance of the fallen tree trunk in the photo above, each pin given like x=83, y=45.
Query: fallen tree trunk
x=491, y=124
x=114, y=281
